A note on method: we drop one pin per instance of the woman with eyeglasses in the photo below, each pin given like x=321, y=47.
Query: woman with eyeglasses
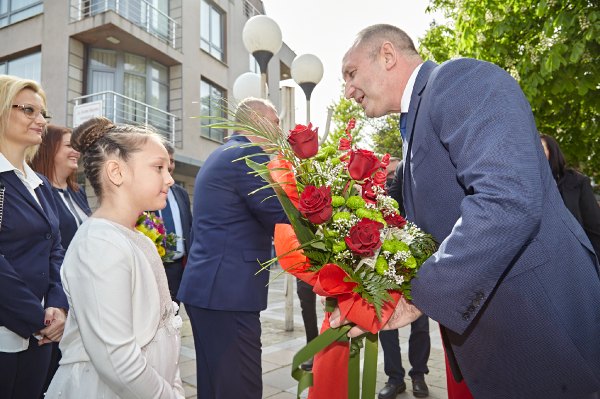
x=33, y=305
x=57, y=160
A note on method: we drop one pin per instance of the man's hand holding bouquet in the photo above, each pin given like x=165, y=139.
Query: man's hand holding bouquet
x=346, y=238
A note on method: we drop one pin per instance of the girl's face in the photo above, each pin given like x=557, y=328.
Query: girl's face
x=26, y=125
x=65, y=159
x=150, y=177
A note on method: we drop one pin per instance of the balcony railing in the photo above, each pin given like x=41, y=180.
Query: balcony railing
x=250, y=10
x=122, y=109
x=139, y=12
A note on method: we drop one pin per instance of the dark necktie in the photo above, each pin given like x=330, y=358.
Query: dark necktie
x=71, y=205
x=167, y=217
x=403, y=119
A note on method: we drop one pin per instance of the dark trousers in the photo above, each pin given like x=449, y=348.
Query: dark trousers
x=22, y=374
x=308, y=304
x=228, y=351
x=419, y=346
x=174, y=271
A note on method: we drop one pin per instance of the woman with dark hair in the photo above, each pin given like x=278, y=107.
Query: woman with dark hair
x=57, y=160
x=576, y=191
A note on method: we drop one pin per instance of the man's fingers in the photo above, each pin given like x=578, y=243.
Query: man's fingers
x=356, y=331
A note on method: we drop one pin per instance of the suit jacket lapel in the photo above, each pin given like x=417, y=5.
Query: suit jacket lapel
x=78, y=198
x=12, y=180
x=407, y=147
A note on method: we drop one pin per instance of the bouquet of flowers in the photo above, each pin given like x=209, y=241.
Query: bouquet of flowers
x=153, y=227
x=347, y=238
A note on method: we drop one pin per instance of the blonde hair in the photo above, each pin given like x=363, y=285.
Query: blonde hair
x=10, y=87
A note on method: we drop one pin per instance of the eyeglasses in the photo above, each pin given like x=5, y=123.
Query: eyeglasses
x=32, y=112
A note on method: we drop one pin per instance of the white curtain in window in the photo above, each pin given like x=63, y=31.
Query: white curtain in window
x=28, y=67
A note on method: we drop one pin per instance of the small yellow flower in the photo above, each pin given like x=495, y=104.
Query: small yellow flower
x=161, y=250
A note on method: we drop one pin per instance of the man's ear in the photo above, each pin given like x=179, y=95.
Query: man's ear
x=388, y=54
x=114, y=172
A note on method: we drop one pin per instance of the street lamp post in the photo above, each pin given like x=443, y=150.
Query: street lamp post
x=307, y=71
x=262, y=38
x=247, y=85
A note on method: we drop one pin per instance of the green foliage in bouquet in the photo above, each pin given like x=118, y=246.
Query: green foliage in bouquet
x=335, y=198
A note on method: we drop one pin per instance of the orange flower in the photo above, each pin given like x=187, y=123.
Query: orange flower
x=281, y=173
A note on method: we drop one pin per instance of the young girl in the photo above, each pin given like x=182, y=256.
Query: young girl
x=121, y=338
x=57, y=160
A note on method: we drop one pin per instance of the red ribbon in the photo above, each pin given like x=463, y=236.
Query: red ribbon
x=331, y=281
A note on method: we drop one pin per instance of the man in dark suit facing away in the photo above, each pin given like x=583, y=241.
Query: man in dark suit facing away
x=177, y=216
x=232, y=232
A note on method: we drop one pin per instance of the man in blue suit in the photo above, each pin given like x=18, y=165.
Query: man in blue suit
x=515, y=283
x=177, y=216
x=222, y=288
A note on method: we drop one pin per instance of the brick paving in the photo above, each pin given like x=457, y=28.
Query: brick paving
x=279, y=346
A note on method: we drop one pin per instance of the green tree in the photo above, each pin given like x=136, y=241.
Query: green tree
x=386, y=135
x=343, y=111
x=384, y=132
x=552, y=47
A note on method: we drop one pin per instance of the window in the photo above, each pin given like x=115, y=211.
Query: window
x=28, y=67
x=142, y=81
x=212, y=30
x=12, y=11
x=212, y=103
x=254, y=67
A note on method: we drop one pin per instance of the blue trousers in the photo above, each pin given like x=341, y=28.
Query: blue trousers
x=308, y=304
x=228, y=351
x=22, y=374
x=419, y=346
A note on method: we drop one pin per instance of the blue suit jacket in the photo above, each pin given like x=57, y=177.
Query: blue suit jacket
x=30, y=256
x=232, y=230
x=515, y=282
x=68, y=224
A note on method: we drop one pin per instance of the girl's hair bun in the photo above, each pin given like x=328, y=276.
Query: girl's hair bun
x=89, y=132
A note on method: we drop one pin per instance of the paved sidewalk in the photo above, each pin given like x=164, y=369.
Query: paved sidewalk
x=279, y=346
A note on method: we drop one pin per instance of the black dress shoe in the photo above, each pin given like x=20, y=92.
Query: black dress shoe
x=307, y=365
x=389, y=391
x=420, y=389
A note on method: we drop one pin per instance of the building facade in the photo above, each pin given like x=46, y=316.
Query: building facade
x=162, y=62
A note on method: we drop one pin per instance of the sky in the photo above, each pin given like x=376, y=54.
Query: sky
x=327, y=28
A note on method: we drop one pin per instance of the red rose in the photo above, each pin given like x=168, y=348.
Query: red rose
x=351, y=125
x=385, y=161
x=315, y=204
x=395, y=220
x=362, y=164
x=304, y=141
x=380, y=177
x=368, y=191
x=363, y=238
x=345, y=144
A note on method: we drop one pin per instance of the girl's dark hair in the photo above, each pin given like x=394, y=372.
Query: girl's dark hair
x=43, y=161
x=555, y=158
x=99, y=138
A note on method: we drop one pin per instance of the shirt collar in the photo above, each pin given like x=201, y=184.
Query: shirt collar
x=405, y=102
x=32, y=178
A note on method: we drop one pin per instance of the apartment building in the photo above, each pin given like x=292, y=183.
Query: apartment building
x=162, y=62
